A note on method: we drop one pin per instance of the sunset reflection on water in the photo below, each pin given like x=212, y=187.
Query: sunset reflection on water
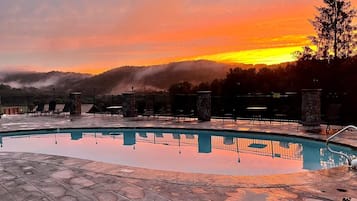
x=184, y=151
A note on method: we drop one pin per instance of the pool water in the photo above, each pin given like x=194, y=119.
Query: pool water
x=195, y=151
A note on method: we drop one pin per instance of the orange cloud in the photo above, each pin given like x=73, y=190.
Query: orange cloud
x=93, y=36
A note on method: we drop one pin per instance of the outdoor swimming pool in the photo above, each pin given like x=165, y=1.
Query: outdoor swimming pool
x=195, y=151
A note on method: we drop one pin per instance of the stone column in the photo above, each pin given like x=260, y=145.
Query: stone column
x=204, y=105
x=311, y=107
x=75, y=107
x=129, y=109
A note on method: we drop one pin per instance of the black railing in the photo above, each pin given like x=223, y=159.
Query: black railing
x=336, y=108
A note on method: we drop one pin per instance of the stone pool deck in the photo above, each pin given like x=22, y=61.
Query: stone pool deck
x=27, y=176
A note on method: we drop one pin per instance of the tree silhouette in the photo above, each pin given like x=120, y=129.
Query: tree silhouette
x=306, y=54
x=333, y=25
x=335, y=37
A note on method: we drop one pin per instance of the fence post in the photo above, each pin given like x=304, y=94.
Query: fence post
x=1, y=112
x=75, y=108
x=129, y=108
x=311, y=107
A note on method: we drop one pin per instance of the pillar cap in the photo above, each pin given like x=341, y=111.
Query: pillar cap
x=204, y=92
x=76, y=93
x=312, y=90
x=128, y=93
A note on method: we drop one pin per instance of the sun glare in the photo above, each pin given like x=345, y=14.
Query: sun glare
x=258, y=56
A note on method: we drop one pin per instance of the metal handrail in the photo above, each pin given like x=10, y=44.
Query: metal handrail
x=349, y=159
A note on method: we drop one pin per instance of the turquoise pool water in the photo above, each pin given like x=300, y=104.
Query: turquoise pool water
x=195, y=151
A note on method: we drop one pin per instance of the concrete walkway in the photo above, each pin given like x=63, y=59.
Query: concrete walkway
x=28, y=176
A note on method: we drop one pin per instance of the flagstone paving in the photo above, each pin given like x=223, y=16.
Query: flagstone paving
x=29, y=176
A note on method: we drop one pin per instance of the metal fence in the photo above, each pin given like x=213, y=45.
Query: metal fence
x=336, y=108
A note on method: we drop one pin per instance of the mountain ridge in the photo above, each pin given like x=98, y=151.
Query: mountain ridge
x=125, y=78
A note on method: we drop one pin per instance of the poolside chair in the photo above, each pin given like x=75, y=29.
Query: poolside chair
x=40, y=108
x=148, y=112
x=95, y=109
x=67, y=107
x=333, y=115
x=229, y=114
x=52, y=106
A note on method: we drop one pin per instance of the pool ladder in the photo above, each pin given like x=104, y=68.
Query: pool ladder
x=352, y=162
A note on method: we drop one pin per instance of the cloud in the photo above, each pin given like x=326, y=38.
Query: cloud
x=75, y=33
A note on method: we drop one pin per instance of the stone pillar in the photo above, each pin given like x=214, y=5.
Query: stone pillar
x=129, y=109
x=0, y=109
x=204, y=105
x=75, y=106
x=311, y=107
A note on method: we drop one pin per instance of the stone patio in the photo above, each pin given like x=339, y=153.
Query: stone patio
x=28, y=176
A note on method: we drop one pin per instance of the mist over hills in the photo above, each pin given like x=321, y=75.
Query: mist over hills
x=153, y=78
x=121, y=79
x=37, y=80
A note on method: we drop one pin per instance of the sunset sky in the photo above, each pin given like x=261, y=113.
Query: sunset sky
x=93, y=36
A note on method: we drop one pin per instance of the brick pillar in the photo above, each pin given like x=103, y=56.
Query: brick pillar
x=75, y=107
x=129, y=109
x=204, y=105
x=311, y=107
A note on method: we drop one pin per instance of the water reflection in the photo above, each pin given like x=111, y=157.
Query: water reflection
x=176, y=136
x=204, y=143
x=311, y=154
x=228, y=140
x=159, y=134
x=129, y=138
x=142, y=134
x=237, y=146
x=191, y=151
x=76, y=135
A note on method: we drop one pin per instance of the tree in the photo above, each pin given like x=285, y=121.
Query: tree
x=181, y=88
x=333, y=25
x=306, y=54
x=335, y=37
